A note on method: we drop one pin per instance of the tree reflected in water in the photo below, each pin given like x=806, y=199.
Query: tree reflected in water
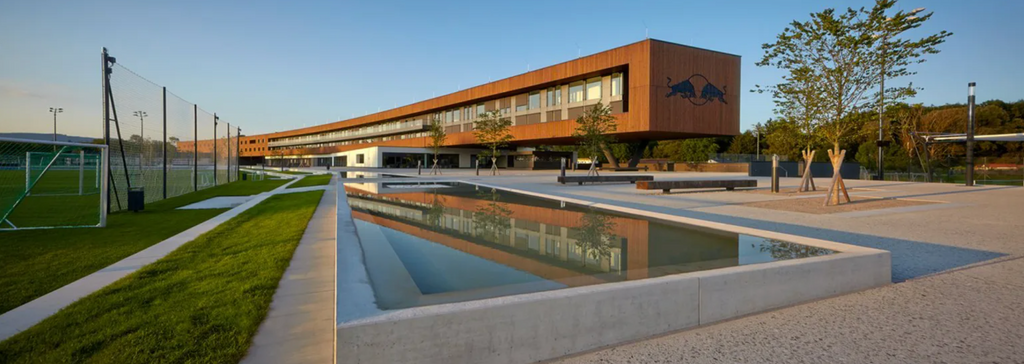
x=491, y=220
x=595, y=236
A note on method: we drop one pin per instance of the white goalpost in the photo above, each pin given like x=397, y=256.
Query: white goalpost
x=68, y=163
x=46, y=184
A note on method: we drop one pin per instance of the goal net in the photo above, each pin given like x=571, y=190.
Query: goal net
x=51, y=184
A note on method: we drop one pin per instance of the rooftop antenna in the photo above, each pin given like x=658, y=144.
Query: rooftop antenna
x=527, y=66
x=647, y=34
x=578, y=51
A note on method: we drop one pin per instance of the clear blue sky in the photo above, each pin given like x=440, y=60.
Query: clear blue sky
x=270, y=66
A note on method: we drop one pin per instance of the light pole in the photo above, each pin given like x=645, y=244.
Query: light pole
x=142, y=133
x=55, y=111
x=886, y=32
x=757, y=135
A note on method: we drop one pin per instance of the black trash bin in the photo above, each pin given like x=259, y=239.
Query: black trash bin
x=245, y=176
x=136, y=199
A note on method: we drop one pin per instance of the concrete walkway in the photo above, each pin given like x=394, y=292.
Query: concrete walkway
x=299, y=328
x=31, y=313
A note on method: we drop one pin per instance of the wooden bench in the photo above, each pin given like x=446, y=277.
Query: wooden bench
x=666, y=186
x=614, y=178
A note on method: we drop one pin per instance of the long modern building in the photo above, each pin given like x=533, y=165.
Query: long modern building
x=657, y=90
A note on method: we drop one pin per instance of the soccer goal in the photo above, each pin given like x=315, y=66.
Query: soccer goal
x=47, y=184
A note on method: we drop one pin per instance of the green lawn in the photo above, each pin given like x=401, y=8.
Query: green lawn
x=36, y=262
x=315, y=180
x=200, y=304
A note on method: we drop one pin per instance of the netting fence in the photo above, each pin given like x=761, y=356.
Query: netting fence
x=51, y=184
x=161, y=145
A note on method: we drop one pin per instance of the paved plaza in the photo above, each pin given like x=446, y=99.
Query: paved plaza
x=958, y=292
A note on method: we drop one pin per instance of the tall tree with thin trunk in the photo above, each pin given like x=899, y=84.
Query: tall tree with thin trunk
x=437, y=136
x=844, y=56
x=493, y=131
x=593, y=131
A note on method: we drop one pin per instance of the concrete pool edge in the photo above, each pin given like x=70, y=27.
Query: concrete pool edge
x=546, y=325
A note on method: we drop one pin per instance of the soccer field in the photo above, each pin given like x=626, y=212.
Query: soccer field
x=68, y=197
x=58, y=198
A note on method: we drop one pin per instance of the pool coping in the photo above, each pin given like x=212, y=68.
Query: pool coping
x=536, y=326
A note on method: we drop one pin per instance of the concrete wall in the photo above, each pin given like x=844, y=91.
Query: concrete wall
x=544, y=325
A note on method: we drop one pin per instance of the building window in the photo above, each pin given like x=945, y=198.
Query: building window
x=594, y=89
x=455, y=114
x=616, y=84
x=480, y=109
x=534, y=100
x=359, y=159
x=554, y=96
x=575, y=92
x=522, y=107
x=448, y=116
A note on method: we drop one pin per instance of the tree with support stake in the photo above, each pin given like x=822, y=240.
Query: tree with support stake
x=842, y=56
x=493, y=131
x=437, y=138
x=593, y=130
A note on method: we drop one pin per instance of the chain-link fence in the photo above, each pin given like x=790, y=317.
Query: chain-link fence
x=161, y=146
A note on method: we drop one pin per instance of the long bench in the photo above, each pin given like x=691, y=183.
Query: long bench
x=613, y=178
x=666, y=186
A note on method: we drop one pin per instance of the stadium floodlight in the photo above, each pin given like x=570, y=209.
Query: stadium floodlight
x=63, y=188
x=55, y=111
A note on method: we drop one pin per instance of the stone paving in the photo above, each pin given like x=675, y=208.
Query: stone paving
x=958, y=297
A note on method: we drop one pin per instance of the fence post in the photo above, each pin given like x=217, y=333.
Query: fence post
x=228, y=146
x=165, y=143
x=214, y=149
x=106, y=115
x=238, y=151
x=195, y=147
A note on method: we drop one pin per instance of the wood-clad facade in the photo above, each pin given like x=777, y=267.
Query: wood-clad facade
x=658, y=90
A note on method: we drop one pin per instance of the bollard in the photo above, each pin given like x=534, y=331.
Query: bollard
x=775, y=173
x=477, y=168
x=563, y=167
x=419, y=167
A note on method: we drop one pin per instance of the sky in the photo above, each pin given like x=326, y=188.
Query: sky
x=271, y=66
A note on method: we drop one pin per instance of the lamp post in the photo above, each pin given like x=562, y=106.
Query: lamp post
x=55, y=111
x=757, y=135
x=142, y=133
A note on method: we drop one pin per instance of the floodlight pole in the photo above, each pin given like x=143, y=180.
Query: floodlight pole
x=970, y=135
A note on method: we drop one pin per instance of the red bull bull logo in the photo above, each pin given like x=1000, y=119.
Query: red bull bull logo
x=687, y=90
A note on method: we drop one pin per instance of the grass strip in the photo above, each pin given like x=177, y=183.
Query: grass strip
x=36, y=262
x=201, y=303
x=309, y=181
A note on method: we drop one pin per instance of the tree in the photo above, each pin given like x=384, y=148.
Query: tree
x=783, y=137
x=841, y=56
x=593, y=130
x=745, y=143
x=492, y=130
x=689, y=151
x=437, y=137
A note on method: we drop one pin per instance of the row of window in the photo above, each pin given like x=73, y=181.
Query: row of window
x=579, y=91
